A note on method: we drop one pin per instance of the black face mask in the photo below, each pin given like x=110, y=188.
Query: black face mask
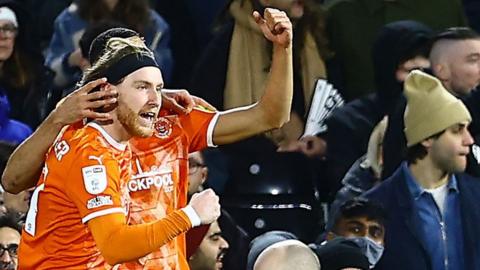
x=7, y=265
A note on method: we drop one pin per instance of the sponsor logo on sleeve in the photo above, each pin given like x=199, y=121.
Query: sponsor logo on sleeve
x=95, y=179
x=99, y=201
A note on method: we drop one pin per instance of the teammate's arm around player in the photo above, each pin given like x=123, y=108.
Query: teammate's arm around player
x=25, y=164
x=76, y=106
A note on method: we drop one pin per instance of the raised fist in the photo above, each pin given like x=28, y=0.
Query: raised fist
x=276, y=26
x=206, y=206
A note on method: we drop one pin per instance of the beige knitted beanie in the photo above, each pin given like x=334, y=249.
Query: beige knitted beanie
x=430, y=108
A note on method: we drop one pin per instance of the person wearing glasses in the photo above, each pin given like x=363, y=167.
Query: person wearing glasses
x=23, y=77
x=197, y=172
x=9, y=240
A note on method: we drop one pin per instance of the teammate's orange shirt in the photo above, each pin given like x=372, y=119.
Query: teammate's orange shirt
x=159, y=186
x=84, y=177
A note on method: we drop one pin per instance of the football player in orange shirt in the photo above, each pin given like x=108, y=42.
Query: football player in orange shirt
x=83, y=185
x=158, y=186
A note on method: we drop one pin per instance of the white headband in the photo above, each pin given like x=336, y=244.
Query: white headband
x=8, y=15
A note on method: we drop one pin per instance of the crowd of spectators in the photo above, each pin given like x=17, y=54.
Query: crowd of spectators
x=394, y=174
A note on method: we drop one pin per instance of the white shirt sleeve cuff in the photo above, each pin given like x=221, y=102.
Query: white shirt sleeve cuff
x=210, y=129
x=192, y=215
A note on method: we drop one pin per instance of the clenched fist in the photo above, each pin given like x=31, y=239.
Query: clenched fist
x=206, y=206
x=276, y=26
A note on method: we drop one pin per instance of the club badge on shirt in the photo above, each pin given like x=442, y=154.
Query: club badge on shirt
x=163, y=128
x=95, y=179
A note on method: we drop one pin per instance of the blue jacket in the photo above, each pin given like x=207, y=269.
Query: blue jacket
x=68, y=30
x=11, y=131
x=403, y=248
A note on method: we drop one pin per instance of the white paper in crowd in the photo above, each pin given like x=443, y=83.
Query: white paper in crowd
x=325, y=100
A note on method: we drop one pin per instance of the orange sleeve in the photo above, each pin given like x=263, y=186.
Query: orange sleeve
x=119, y=242
x=94, y=184
x=199, y=125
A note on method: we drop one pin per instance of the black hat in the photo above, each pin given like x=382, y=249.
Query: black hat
x=341, y=253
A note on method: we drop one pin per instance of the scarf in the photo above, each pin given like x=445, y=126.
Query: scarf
x=250, y=60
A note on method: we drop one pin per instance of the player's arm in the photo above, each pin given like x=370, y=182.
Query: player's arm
x=78, y=105
x=273, y=109
x=24, y=165
x=119, y=242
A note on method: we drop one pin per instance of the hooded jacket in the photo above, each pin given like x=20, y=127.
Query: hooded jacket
x=396, y=42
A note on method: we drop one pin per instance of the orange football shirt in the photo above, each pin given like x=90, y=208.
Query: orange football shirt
x=84, y=177
x=159, y=186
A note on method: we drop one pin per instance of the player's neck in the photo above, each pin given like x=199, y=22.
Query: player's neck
x=116, y=130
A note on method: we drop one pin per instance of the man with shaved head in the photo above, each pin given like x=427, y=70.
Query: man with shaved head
x=280, y=250
x=287, y=254
x=455, y=60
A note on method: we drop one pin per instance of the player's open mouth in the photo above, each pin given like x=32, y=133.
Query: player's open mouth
x=148, y=116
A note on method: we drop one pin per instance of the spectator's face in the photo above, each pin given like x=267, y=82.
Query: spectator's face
x=360, y=227
x=197, y=172
x=7, y=39
x=449, y=151
x=210, y=253
x=139, y=101
x=418, y=62
x=463, y=71
x=9, y=240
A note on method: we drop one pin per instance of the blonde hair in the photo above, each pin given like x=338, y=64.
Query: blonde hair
x=115, y=49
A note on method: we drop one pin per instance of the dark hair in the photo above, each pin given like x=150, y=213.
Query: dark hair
x=360, y=207
x=418, y=151
x=456, y=33
x=10, y=220
x=133, y=13
x=6, y=149
x=92, y=31
x=21, y=69
x=313, y=20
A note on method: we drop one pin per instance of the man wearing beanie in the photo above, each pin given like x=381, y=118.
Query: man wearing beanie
x=206, y=247
x=433, y=214
x=455, y=61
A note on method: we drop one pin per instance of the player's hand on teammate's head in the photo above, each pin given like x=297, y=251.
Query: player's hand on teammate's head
x=177, y=100
x=203, y=104
x=206, y=205
x=83, y=102
x=181, y=102
x=275, y=25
